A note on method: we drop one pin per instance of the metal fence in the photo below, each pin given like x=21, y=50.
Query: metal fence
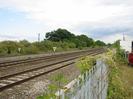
x=91, y=85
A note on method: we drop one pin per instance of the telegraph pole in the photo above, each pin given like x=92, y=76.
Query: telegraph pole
x=38, y=37
x=123, y=37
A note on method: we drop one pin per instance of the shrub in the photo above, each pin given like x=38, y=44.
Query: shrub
x=85, y=63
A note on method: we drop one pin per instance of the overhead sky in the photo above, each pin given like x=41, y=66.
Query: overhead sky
x=106, y=20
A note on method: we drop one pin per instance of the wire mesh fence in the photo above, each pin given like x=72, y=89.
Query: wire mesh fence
x=91, y=85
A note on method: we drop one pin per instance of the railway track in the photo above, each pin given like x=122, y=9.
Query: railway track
x=13, y=69
x=9, y=81
x=39, y=59
x=9, y=70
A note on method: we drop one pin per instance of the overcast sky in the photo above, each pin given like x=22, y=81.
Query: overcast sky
x=106, y=20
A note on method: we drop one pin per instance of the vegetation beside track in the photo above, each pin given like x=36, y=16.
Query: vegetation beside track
x=86, y=63
x=60, y=38
x=59, y=80
x=120, y=75
x=57, y=83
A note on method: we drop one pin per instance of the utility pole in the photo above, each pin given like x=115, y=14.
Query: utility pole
x=123, y=37
x=38, y=37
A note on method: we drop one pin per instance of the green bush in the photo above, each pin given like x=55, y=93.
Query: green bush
x=60, y=38
x=116, y=88
x=30, y=50
x=86, y=63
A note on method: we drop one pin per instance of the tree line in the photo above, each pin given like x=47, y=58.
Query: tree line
x=60, y=38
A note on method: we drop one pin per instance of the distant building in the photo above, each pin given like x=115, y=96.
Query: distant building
x=126, y=44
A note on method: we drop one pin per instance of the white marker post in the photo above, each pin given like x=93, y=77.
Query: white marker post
x=54, y=49
x=19, y=49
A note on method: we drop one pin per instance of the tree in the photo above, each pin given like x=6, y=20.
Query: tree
x=99, y=43
x=65, y=36
x=25, y=43
x=10, y=46
x=116, y=44
x=59, y=35
x=60, y=38
x=88, y=41
x=109, y=44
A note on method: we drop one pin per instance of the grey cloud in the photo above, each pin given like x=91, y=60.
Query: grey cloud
x=121, y=24
x=108, y=33
x=105, y=31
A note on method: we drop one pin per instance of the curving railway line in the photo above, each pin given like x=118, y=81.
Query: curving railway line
x=16, y=78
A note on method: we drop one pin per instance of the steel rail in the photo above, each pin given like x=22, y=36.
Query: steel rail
x=44, y=66
x=37, y=75
x=15, y=62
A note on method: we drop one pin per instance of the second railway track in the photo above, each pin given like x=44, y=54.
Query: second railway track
x=9, y=81
x=13, y=69
x=39, y=59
